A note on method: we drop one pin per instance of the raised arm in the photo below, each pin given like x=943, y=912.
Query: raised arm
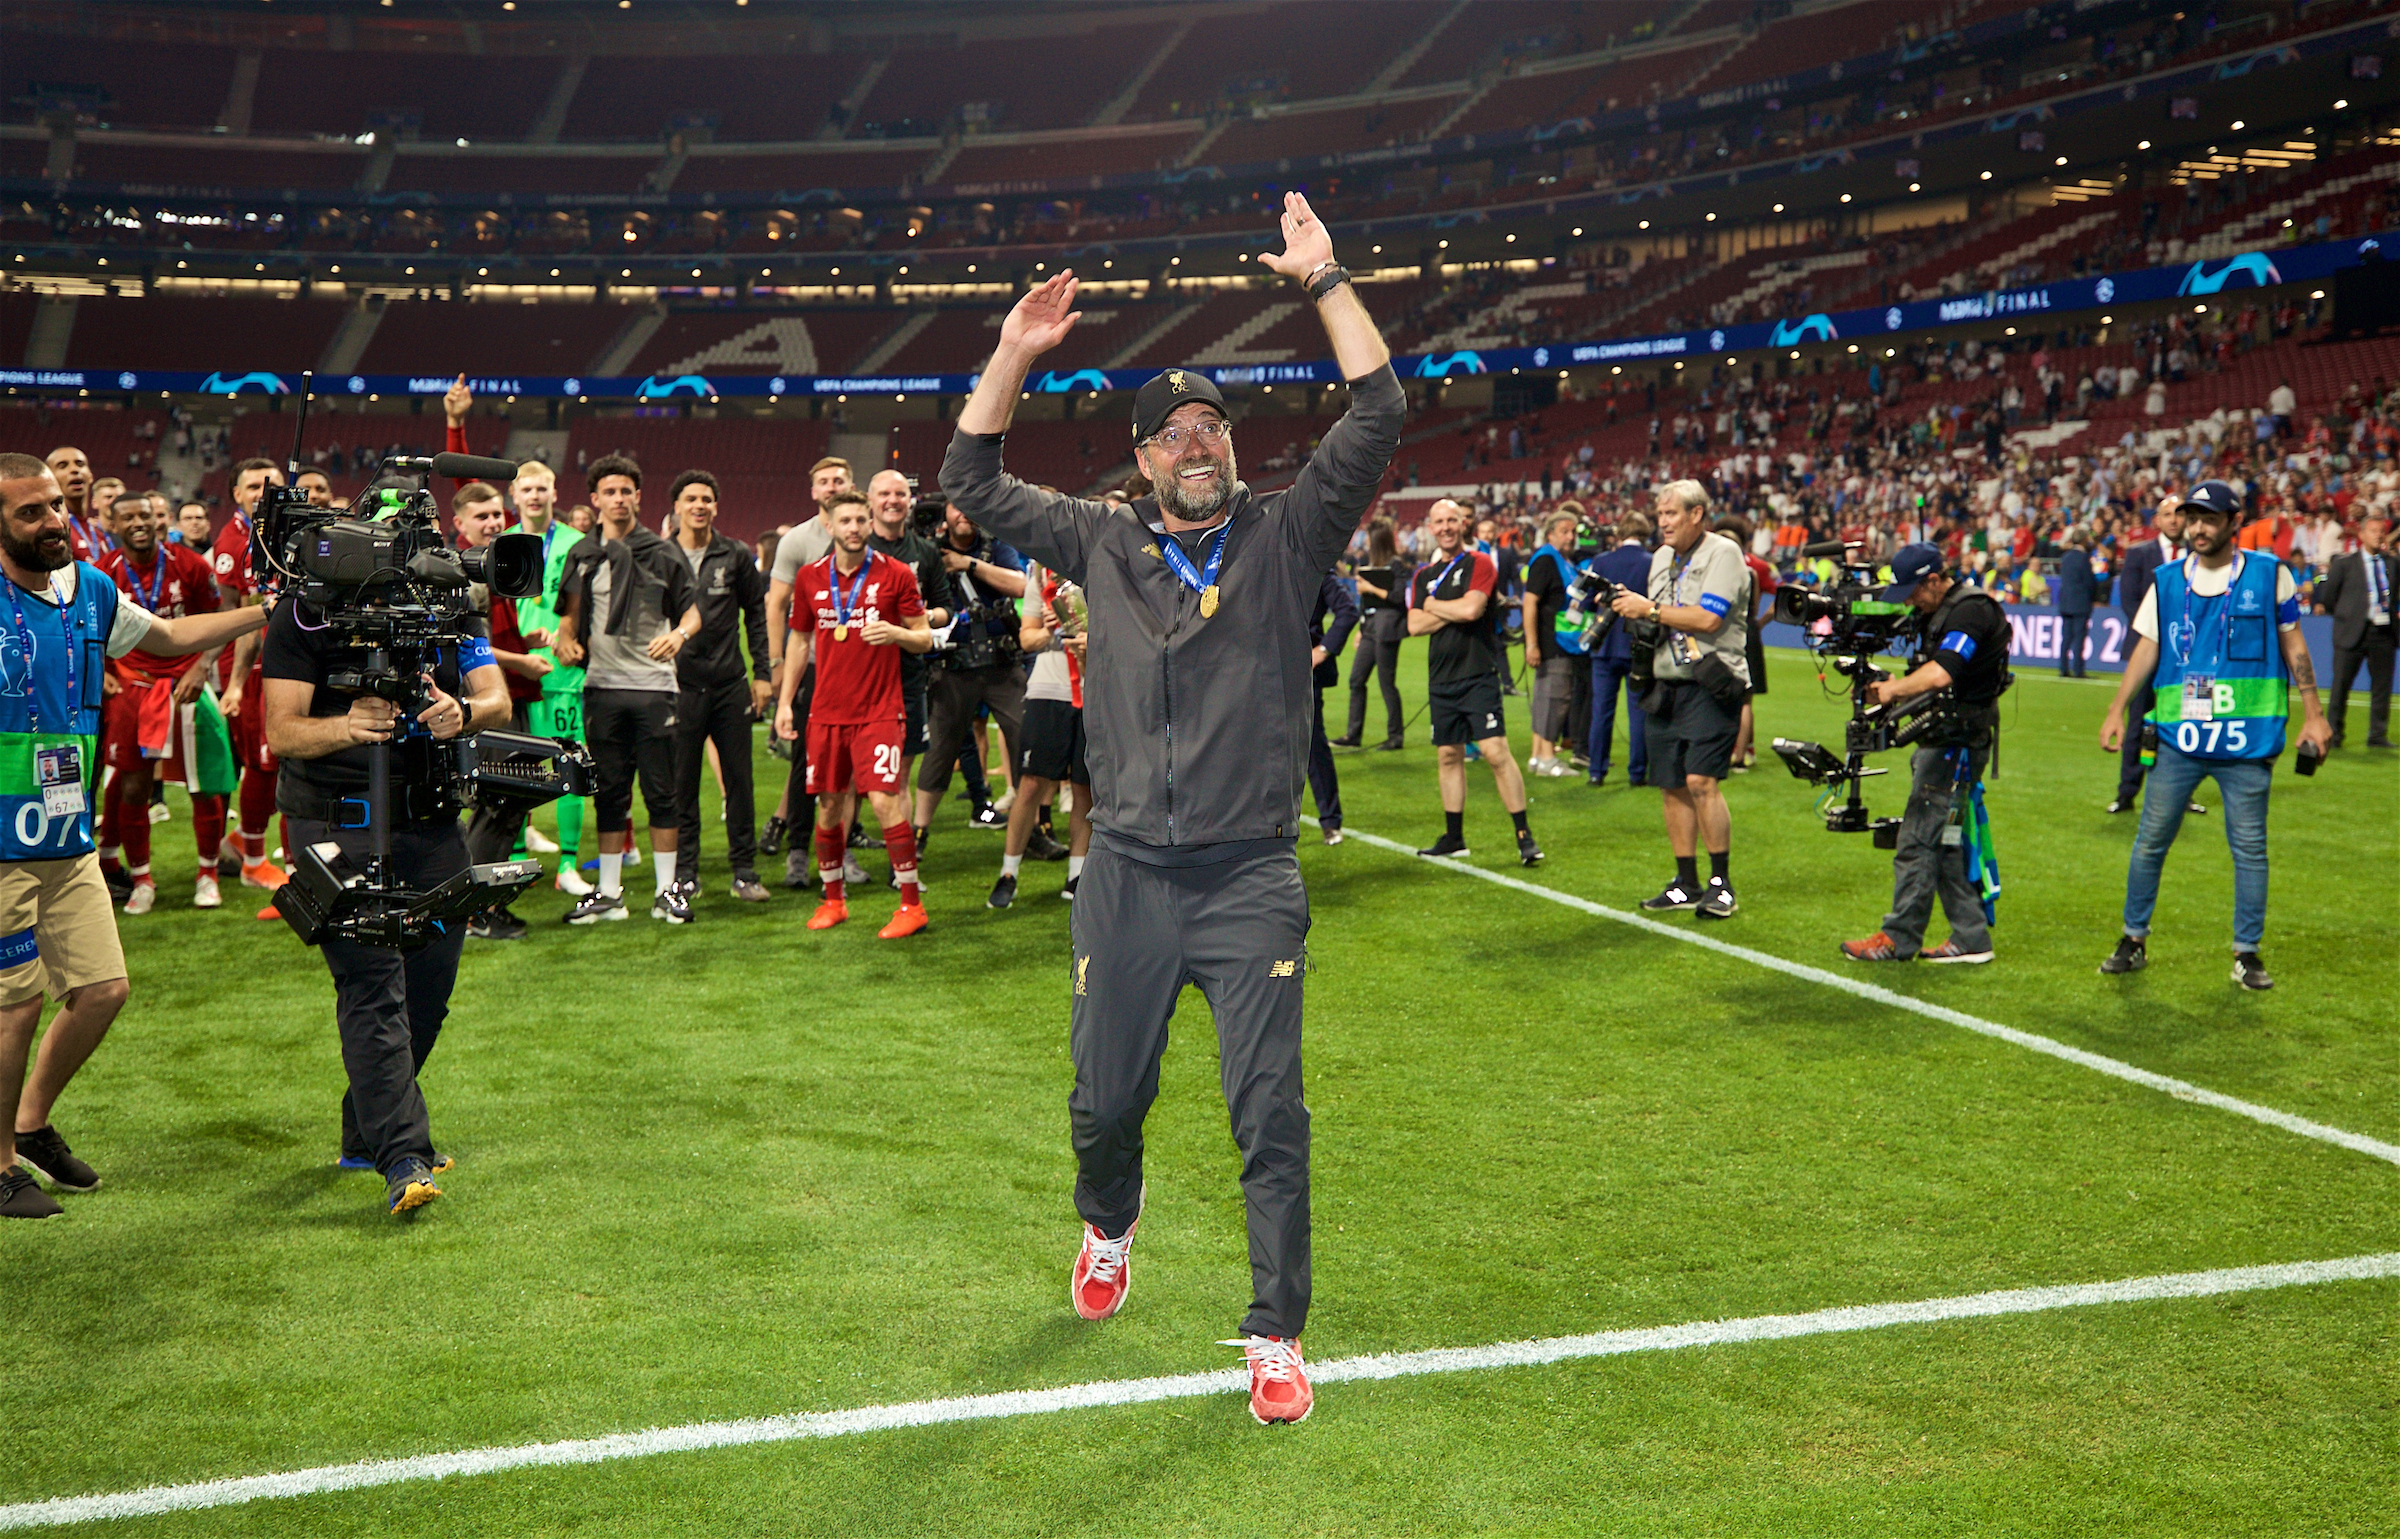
x=1055, y=530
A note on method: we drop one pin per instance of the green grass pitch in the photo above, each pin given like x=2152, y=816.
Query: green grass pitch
x=742, y=1169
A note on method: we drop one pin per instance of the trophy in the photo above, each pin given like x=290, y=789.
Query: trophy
x=1070, y=610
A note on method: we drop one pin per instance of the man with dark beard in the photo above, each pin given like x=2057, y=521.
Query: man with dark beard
x=57, y=935
x=1198, y=699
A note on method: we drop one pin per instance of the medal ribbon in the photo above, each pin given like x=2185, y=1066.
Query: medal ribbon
x=147, y=593
x=66, y=629
x=1433, y=588
x=843, y=605
x=1199, y=580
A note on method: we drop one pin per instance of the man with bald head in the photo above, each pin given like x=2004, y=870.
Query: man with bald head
x=1450, y=599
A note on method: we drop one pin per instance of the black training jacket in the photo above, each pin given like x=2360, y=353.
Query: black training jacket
x=1198, y=729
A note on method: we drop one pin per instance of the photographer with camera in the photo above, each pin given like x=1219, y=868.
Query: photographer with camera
x=980, y=664
x=1964, y=636
x=1700, y=675
x=60, y=937
x=389, y=1004
x=1627, y=565
x=626, y=602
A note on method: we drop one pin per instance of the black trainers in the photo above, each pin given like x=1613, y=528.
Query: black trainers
x=860, y=839
x=496, y=924
x=597, y=907
x=748, y=888
x=2248, y=971
x=46, y=1154
x=1717, y=901
x=986, y=816
x=1043, y=847
x=22, y=1197
x=2131, y=956
x=1004, y=892
x=1066, y=894
x=1390, y=745
x=1528, y=852
x=672, y=906
x=119, y=881
x=1447, y=846
x=1676, y=896
x=770, y=838
x=410, y=1185
x=1342, y=742
x=2117, y=804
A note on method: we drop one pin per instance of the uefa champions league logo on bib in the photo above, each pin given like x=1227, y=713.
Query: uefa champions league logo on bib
x=16, y=668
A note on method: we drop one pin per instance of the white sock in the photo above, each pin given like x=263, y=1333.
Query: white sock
x=665, y=867
x=1010, y=863
x=612, y=875
x=138, y=873
x=1074, y=867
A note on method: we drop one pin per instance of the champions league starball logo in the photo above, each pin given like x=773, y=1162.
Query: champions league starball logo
x=2105, y=290
x=16, y=667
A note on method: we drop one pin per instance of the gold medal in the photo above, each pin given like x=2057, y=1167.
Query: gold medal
x=841, y=633
x=1208, y=602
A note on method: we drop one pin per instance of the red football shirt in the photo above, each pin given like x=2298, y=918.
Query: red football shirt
x=856, y=683
x=229, y=553
x=175, y=583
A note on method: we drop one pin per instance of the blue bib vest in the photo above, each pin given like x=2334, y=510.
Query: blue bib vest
x=2230, y=642
x=37, y=711
x=1567, y=635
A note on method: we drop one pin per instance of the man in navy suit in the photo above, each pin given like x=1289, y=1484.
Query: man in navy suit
x=2073, y=594
x=2141, y=563
x=1627, y=566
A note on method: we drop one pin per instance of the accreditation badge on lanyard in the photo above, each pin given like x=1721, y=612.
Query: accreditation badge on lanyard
x=59, y=770
x=2200, y=689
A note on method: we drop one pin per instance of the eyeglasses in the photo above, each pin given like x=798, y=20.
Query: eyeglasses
x=1210, y=431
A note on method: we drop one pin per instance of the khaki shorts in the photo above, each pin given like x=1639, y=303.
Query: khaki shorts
x=58, y=929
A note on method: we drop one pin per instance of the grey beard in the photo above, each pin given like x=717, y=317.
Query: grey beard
x=1172, y=498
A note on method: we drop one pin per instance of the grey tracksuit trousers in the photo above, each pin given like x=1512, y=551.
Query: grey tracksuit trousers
x=1925, y=868
x=1236, y=925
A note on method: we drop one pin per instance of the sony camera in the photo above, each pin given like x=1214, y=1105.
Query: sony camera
x=392, y=591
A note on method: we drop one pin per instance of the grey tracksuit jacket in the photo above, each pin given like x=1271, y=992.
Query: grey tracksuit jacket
x=1198, y=730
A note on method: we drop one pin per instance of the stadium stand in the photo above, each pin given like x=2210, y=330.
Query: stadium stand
x=134, y=84
x=314, y=91
x=1095, y=154
x=247, y=165
x=781, y=96
x=799, y=170
x=762, y=342
x=1282, y=53
x=1023, y=83
x=1072, y=456
x=1329, y=131
x=176, y=331
x=489, y=338
x=441, y=169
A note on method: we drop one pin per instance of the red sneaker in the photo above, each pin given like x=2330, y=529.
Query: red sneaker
x=908, y=919
x=1104, y=1271
x=829, y=913
x=1279, y=1389
x=1877, y=947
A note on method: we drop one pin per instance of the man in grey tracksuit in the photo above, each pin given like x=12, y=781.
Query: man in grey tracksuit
x=1198, y=705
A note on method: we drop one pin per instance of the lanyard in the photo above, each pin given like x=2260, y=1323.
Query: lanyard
x=1433, y=588
x=843, y=605
x=2186, y=632
x=147, y=593
x=1201, y=579
x=66, y=629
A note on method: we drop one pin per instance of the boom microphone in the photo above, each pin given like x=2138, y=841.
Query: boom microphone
x=1810, y=552
x=474, y=467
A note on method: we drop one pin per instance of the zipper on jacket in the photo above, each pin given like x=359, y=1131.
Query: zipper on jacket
x=1166, y=663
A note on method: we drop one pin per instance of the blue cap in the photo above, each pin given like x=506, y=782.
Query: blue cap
x=2214, y=497
x=1910, y=567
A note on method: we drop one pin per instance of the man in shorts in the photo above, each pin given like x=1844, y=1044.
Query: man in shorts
x=853, y=614
x=1697, y=596
x=1052, y=634
x=1450, y=600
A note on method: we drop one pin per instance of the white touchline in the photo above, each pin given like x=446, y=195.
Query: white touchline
x=2114, y=1068
x=1074, y=1397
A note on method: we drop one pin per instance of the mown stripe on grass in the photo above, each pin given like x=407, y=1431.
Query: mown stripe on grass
x=1034, y=1402
x=2182, y=1090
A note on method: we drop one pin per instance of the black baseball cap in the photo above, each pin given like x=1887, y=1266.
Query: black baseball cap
x=1170, y=389
x=2216, y=497
x=1911, y=566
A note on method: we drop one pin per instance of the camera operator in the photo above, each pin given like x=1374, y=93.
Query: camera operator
x=890, y=500
x=719, y=695
x=388, y=1005
x=625, y=602
x=1965, y=635
x=980, y=665
x=477, y=512
x=60, y=937
x=1701, y=672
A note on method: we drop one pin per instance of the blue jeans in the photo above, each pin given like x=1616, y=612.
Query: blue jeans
x=2173, y=778
x=1608, y=674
